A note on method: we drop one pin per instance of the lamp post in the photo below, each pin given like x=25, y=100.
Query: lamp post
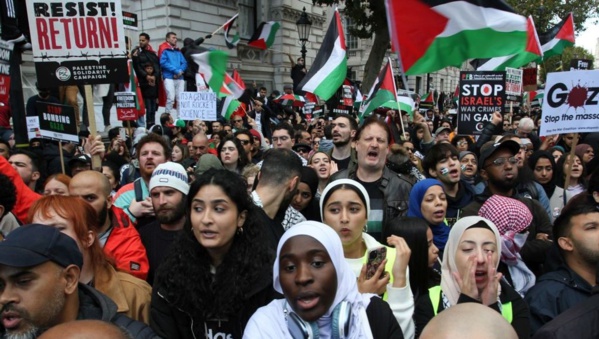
x=303, y=30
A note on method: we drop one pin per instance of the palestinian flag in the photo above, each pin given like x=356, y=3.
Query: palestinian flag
x=213, y=67
x=533, y=52
x=264, y=36
x=229, y=107
x=330, y=65
x=231, y=42
x=433, y=34
x=381, y=92
x=231, y=87
x=238, y=79
x=140, y=106
x=558, y=37
x=402, y=103
x=534, y=97
x=428, y=100
x=456, y=95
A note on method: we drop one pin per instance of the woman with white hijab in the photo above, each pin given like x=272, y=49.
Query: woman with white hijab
x=321, y=294
x=469, y=274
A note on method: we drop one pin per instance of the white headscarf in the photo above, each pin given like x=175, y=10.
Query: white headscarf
x=347, y=288
x=449, y=285
x=339, y=182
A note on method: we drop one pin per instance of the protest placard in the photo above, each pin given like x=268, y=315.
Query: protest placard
x=481, y=94
x=125, y=106
x=513, y=84
x=529, y=79
x=197, y=105
x=5, y=55
x=571, y=103
x=130, y=21
x=33, y=127
x=581, y=64
x=57, y=122
x=77, y=42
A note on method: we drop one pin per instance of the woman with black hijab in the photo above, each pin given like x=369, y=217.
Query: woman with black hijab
x=544, y=169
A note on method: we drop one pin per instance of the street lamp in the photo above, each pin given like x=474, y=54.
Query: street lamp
x=303, y=30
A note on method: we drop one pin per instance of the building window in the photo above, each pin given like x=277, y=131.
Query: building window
x=247, y=18
x=351, y=42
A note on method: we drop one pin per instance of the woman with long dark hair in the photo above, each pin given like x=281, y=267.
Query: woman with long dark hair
x=219, y=270
x=232, y=154
x=577, y=183
x=419, y=237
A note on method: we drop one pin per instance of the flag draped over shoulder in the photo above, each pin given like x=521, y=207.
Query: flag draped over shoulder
x=531, y=53
x=433, y=34
x=330, y=65
x=381, y=92
x=558, y=37
x=231, y=42
x=213, y=67
x=265, y=34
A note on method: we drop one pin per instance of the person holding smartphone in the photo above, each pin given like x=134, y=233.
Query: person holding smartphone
x=382, y=270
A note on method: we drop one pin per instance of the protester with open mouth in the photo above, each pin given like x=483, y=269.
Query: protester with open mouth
x=321, y=293
x=428, y=202
x=217, y=273
x=345, y=206
x=577, y=183
x=469, y=274
x=325, y=167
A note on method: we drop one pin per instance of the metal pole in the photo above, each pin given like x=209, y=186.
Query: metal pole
x=304, y=51
x=17, y=104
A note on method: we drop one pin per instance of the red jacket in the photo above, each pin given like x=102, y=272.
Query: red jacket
x=125, y=247
x=25, y=196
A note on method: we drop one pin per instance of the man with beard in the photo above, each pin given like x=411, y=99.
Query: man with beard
x=168, y=191
x=39, y=275
x=134, y=198
x=389, y=193
x=27, y=164
x=278, y=179
x=576, y=232
x=344, y=130
x=442, y=163
x=117, y=236
x=499, y=168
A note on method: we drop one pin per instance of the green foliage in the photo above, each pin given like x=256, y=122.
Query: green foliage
x=547, y=13
x=559, y=63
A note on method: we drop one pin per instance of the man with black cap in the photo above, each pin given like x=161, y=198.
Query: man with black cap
x=79, y=164
x=442, y=134
x=39, y=275
x=499, y=169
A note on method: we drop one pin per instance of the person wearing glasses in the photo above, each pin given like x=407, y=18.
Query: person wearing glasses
x=498, y=167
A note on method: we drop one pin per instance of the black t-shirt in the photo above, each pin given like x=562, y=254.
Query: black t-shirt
x=375, y=218
x=342, y=163
x=157, y=242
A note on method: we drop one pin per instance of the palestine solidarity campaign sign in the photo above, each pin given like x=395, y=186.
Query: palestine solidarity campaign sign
x=571, y=103
x=77, y=42
x=481, y=94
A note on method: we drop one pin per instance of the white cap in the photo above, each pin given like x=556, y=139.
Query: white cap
x=170, y=174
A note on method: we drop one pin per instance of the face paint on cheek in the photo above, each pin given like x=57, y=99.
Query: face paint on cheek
x=444, y=171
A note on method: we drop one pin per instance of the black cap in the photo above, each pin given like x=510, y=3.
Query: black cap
x=301, y=145
x=83, y=158
x=35, y=244
x=490, y=148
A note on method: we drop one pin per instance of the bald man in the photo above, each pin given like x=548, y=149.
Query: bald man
x=457, y=322
x=85, y=329
x=116, y=234
x=199, y=145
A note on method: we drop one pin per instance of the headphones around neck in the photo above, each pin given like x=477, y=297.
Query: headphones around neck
x=300, y=329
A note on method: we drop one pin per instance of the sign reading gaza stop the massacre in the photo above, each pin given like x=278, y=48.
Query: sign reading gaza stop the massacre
x=571, y=103
x=79, y=42
x=197, y=105
x=481, y=94
x=57, y=122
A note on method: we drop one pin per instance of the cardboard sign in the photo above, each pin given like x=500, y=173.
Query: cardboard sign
x=125, y=106
x=130, y=21
x=513, y=83
x=342, y=109
x=571, y=103
x=33, y=127
x=481, y=94
x=529, y=79
x=197, y=105
x=57, y=122
x=77, y=42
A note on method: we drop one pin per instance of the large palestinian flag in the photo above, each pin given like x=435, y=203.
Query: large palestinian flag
x=531, y=53
x=330, y=65
x=213, y=67
x=558, y=37
x=381, y=92
x=433, y=34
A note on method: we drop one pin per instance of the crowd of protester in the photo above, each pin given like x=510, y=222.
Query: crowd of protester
x=264, y=226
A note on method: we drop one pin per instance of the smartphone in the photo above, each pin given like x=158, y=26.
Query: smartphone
x=375, y=259
x=122, y=134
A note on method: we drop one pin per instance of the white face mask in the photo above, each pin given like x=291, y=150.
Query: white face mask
x=520, y=239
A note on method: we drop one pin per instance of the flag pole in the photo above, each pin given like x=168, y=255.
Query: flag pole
x=403, y=131
x=223, y=25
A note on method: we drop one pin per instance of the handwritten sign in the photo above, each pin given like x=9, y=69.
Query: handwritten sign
x=197, y=105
